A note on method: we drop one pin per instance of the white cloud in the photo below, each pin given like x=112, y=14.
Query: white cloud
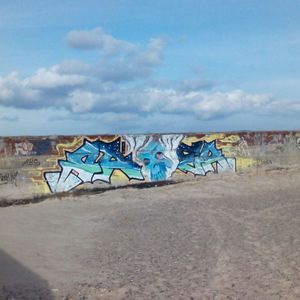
x=83, y=94
x=51, y=78
x=122, y=85
x=97, y=39
x=153, y=54
x=78, y=105
x=205, y=105
x=123, y=61
x=72, y=66
x=15, y=92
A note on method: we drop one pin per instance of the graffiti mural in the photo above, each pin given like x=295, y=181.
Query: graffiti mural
x=157, y=154
x=138, y=157
x=63, y=163
x=91, y=162
x=202, y=157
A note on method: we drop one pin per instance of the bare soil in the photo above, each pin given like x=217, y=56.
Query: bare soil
x=218, y=237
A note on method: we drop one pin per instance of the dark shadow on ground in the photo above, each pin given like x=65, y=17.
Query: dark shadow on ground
x=19, y=283
x=37, y=199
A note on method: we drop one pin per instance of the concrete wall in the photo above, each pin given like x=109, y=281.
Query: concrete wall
x=37, y=165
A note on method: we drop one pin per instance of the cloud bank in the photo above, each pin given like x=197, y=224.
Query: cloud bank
x=121, y=81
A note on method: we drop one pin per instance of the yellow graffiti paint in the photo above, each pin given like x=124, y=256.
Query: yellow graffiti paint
x=61, y=148
x=208, y=138
x=37, y=175
x=118, y=177
x=40, y=186
x=244, y=163
x=226, y=143
x=231, y=139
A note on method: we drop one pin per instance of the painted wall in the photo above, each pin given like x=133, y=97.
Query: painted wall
x=37, y=165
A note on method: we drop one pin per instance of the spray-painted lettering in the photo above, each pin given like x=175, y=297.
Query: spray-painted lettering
x=8, y=177
x=202, y=157
x=91, y=162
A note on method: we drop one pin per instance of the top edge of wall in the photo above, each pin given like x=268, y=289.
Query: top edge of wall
x=155, y=133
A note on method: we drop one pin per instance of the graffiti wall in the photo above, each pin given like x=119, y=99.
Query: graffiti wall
x=36, y=165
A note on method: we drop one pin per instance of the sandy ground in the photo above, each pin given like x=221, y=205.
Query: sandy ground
x=219, y=237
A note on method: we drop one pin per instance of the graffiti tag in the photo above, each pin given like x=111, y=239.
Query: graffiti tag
x=91, y=162
x=200, y=158
x=24, y=148
x=9, y=177
x=34, y=162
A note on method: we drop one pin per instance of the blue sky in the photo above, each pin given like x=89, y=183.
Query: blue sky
x=124, y=66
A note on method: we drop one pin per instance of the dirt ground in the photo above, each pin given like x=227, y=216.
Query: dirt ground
x=219, y=237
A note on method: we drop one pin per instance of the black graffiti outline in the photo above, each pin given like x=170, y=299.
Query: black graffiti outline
x=118, y=139
x=204, y=142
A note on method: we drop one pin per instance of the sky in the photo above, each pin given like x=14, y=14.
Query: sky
x=139, y=66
